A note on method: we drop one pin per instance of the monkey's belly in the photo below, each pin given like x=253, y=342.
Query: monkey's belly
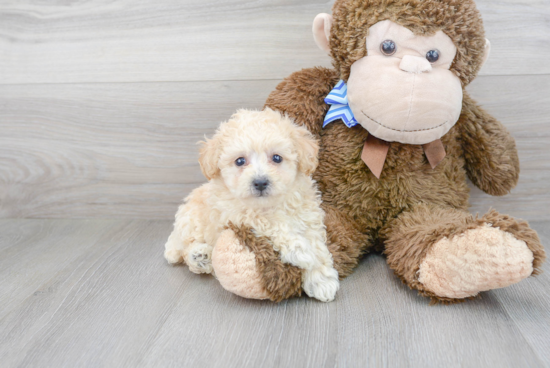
x=407, y=179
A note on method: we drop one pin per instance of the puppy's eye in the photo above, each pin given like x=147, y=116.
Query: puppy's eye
x=388, y=47
x=432, y=56
x=277, y=159
x=240, y=161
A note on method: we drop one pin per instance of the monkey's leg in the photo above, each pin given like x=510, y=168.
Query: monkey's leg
x=345, y=240
x=449, y=255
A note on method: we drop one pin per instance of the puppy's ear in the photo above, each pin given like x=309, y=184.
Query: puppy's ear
x=307, y=148
x=209, y=156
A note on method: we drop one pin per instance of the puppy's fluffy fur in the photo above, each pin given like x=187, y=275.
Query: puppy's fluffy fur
x=287, y=210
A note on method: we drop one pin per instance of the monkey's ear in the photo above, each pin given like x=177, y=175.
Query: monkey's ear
x=486, y=52
x=321, y=31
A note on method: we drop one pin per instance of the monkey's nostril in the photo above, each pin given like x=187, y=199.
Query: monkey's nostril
x=260, y=184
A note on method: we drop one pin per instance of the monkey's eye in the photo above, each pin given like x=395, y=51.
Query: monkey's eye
x=432, y=56
x=277, y=159
x=240, y=161
x=388, y=47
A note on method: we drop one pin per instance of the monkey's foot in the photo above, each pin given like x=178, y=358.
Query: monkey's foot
x=479, y=259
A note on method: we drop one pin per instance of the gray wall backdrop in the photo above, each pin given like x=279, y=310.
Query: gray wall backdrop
x=102, y=101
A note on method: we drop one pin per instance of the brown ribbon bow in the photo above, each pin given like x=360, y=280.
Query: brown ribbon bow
x=375, y=151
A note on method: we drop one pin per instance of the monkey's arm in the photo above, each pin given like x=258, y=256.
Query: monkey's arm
x=490, y=151
x=301, y=95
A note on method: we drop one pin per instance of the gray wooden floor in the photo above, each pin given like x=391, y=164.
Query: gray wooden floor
x=98, y=293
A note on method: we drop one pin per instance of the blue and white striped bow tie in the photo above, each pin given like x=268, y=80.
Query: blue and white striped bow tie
x=339, y=109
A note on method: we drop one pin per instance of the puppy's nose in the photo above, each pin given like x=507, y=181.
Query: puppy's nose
x=260, y=184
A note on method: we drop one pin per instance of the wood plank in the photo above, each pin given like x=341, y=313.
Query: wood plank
x=32, y=252
x=509, y=25
x=175, y=40
x=103, y=308
x=118, y=304
x=128, y=150
x=246, y=333
x=111, y=150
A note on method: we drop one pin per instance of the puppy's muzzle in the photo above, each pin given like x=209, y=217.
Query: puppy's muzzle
x=260, y=185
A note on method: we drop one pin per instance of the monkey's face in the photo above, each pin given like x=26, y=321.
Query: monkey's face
x=404, y=81
x=403, y=90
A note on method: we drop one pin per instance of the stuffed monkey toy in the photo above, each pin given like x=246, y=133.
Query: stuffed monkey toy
x=399, y=135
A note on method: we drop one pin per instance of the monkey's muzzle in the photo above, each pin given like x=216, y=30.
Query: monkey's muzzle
x=410, y=104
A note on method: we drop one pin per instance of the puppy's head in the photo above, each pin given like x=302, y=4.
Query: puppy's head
x=259, y=154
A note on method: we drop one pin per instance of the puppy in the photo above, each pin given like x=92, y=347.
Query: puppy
x=259, y=167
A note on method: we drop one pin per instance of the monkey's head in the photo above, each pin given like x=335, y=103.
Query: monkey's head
x=405, y=62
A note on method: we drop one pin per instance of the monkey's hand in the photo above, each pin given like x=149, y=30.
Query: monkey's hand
x=490, y=152
x=302, y=96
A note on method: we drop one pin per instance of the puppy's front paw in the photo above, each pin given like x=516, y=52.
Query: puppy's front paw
x=199, y=258
x=321, y=283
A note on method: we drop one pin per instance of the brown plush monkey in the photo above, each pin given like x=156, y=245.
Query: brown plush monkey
x=404, y=136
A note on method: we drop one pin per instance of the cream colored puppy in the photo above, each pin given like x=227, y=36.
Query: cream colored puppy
x=259, y=167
